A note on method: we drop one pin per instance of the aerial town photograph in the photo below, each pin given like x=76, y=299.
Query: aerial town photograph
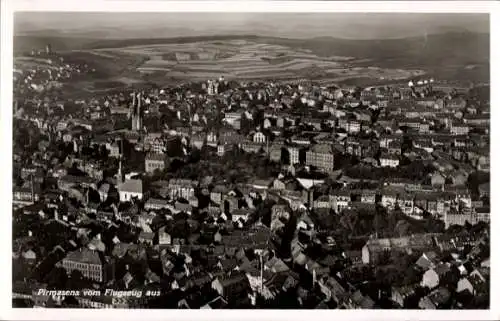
x=240, y=160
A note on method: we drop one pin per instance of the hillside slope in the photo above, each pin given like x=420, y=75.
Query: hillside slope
x=445, y=54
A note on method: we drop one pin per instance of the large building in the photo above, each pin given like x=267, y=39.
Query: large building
x=130, y=189
x=23, y=196
x=155, y=204
x=274, y=152
x=294, y=153
x=388, y=160
x=223, y=149
x=181, y=188
x=259, y=137
x=459, y=129
x=90, y=263
x=375, y=249
x=321, y=157
x=154, y=162
x=155, y=143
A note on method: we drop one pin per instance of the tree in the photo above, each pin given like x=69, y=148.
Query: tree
x=450, y=279
x=349, y=220
x=402, y=228
x=327, y=220
x=386, y=277
x=475, y=179
x=385, y=258
x=158, y=222
x=76, y=280
x=455, y=229
x=479, y=227
x=411, y=276
x=20, y=269
x=70, y=302
x=21, y=224
x=57, y=278
x=412, y=301
x=378, y=223
x=264, y=211
x=181, y=229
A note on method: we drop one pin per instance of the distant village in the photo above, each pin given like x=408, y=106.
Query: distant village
x=232, y=194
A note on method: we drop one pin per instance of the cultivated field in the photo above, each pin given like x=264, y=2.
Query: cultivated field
x=246, y=60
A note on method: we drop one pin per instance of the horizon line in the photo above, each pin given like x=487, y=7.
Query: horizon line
x=39, y=34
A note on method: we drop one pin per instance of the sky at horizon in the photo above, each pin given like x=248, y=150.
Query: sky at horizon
x=290, y=25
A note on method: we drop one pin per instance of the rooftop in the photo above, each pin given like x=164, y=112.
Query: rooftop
x=322, y=148
x=131, y=186
x=84, y=255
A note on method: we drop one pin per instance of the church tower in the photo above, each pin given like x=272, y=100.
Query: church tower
x=136, y=112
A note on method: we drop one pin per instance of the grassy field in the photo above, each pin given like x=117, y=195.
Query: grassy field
x=244, y=59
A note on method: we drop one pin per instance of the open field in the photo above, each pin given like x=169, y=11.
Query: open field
x=243, y=59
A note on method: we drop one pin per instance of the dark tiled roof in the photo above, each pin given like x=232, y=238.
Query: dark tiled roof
x=84, y=255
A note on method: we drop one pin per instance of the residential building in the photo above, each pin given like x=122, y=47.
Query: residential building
x=155, y=204
x=375, y=249
x=259, y=137
x=458, y=218
x=294, y=155
x=459, y=129
x=275, y=152
x=231, y=286
x=321, y=157
x=157, y=145
x=222, y=149
x=154, y=162
x=163, y=237
x=130, y=189
x=90, y=263
x=181, y=188
x=251, y=147
x=387, y=160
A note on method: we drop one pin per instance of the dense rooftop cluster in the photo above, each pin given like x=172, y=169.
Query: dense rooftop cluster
x=228, y=194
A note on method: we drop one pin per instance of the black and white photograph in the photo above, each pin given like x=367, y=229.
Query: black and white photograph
x=250, y=160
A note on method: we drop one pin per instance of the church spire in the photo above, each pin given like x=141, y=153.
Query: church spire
x=136, y=111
